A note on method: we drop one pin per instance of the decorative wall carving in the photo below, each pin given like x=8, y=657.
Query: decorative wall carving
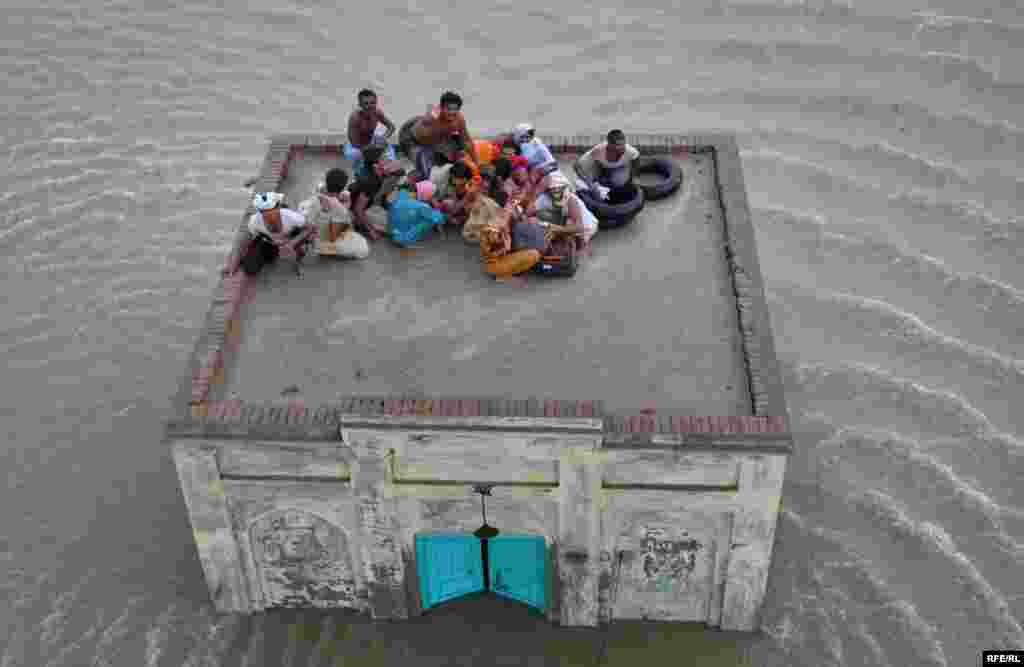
x=303, y=560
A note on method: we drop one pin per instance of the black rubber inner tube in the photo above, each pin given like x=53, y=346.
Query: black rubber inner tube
x=610, y=216
x=669, y=170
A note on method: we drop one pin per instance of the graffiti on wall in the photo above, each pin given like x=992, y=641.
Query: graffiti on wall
x=303, y=561
x=666, y=564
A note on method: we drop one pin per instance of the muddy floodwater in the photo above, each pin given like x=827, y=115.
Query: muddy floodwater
x=882, y=152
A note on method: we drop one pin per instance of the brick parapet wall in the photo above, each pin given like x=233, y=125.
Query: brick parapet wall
x=293, y=420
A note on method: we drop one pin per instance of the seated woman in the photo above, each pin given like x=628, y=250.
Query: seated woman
x=494, y=182
x=460, y=195
x=527, y=232
x=496, y=253
x=533, y=149
x=329, y=210
x=453, y=151
x=535, y=181
x=285, y=228
x=518, y=184
x=559, y=205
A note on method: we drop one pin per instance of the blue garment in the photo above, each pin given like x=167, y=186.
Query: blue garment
x=536, y=153
x=410, y=220
x=355, y=155
x=528, y=236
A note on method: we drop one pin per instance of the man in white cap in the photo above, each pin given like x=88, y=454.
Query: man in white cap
x=285, y=228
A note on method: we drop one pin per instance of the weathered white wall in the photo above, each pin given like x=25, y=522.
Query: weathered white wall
x=346, y=516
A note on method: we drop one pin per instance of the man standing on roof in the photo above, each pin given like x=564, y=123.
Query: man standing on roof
x=610, y=166
x=435, y=129
x=363, y=124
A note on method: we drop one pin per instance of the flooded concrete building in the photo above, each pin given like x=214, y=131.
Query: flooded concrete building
x=389, y=434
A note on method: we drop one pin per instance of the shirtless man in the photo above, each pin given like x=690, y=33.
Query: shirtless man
x=362, y=128
x=431, y=131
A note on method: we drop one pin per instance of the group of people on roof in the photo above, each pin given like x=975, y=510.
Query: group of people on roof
x=506, y=194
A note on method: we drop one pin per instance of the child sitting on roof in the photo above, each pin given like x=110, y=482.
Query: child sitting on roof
x=460, y=195
x=329, y=210
x=517, y=184
x=372, y=187
x=454, y=151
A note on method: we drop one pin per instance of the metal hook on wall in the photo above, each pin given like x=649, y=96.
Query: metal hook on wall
x=484, y=532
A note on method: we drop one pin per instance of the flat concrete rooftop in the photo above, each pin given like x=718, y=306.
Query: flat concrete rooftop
x=649, y=321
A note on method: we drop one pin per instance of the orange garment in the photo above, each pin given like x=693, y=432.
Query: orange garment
x=487, y=151
x=512, y=264
x=432, y=130
x=497, y=256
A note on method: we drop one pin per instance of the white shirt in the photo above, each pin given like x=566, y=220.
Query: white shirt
x=351, y=244
x=316, y=214
x=590, y=225
x=598, y=154
x=289, y=220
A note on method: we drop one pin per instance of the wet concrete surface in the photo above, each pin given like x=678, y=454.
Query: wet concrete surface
x=649, y=320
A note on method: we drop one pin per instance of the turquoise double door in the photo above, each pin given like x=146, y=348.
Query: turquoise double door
x=450, y=565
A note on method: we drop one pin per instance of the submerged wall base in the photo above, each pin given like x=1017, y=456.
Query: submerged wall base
x=662, y=532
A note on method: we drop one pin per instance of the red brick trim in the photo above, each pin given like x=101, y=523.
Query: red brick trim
x=731, y=424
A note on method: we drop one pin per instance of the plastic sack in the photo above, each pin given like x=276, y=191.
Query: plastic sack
x=352, y=245
x=409, y=220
